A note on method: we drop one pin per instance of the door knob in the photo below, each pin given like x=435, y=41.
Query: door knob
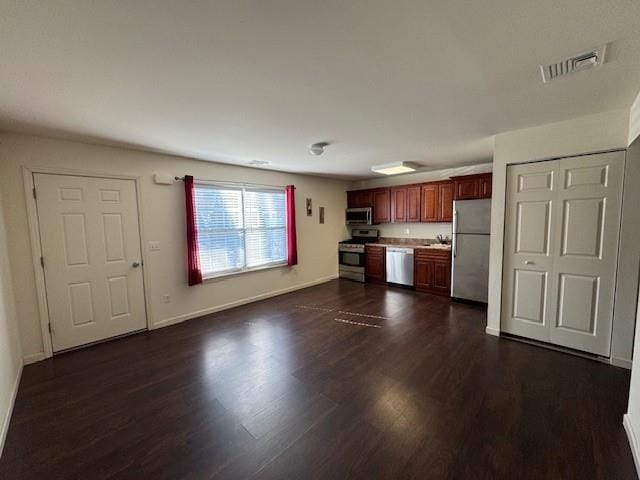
x=135, y=264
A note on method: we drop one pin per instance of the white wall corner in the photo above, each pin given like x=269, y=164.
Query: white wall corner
x=4, y=428
x=634, y=442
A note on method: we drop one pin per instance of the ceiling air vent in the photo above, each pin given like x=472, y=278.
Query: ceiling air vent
x=583, y=61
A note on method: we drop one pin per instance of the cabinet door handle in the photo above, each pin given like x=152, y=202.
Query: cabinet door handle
x=529, y=262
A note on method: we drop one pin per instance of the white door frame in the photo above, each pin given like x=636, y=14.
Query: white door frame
x=36, y=245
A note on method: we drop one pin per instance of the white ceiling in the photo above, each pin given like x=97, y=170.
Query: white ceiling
x=237, y=80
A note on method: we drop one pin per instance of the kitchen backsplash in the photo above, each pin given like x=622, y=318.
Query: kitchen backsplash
x=414, y=230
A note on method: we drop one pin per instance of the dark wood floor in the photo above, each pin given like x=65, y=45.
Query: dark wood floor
x=280, y=390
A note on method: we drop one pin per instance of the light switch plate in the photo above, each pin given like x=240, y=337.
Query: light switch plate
x=154, y=246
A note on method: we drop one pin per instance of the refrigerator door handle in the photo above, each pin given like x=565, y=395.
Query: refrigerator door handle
x=455, y=221
x=455, y=231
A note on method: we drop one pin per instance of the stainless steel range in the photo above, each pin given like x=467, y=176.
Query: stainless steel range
x=352, y=253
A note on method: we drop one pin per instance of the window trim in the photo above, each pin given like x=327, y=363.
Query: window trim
x=243, y=187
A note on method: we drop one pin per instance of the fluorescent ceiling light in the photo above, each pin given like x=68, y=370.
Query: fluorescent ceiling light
x=395, y=168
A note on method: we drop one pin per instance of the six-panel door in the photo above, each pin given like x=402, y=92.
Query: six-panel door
x=528, y=258
x=589, y=207
x=92, y=260
x=561, y=246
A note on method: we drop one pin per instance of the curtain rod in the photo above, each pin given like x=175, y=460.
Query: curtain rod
x=232, y=183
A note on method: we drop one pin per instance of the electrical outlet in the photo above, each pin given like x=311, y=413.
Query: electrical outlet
x=154, y=246
x=166, y=298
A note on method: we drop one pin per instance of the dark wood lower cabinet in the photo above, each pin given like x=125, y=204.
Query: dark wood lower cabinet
x=432, y=271
x=375, y=264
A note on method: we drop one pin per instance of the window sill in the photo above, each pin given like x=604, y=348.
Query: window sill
x=233, y=273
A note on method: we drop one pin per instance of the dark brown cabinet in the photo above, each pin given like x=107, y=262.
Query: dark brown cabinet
x=437, y=202
x=485, y=186
x=432, y=271
x=399, y=204
x=405, y=204
x=360, y=199
x=472, y=187
x=429, y=201
x=413, y=203
x=375, y=264
x=381, y=206
x=445, y=202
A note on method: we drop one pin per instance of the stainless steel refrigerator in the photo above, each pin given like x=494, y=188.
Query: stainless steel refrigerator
x=470, y=269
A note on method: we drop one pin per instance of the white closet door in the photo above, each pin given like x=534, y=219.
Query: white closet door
x=588, y=228
x=562, y=226
x=527, y=306
x=91, y=246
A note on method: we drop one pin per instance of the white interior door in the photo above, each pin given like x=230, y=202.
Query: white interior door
x=527, y=306
x=561, y=246
x=92, y=260
x=588, y=227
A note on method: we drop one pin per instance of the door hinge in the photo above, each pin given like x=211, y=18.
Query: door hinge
x=42, y=261
x=50, y=328
x=34, y=193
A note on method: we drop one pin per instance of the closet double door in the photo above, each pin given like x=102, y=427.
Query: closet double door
x=562, y=227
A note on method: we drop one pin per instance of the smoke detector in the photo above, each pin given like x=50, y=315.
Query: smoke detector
x=317, y=148
x=593, y=58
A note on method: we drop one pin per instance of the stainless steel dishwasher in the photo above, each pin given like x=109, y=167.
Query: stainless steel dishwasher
x=400, y=265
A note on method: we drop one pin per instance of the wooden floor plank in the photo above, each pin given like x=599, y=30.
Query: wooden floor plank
x=279, y=389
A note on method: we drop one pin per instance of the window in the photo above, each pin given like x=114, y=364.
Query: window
x=239, y=228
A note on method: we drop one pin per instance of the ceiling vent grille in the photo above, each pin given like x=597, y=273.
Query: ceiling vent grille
x=576, y=63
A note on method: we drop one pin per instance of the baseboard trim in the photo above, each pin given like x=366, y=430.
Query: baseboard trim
x=7, y=418
x=492, y=331
x=621, y=362
x=635, y=452
x=218, y=308
x=33, y=358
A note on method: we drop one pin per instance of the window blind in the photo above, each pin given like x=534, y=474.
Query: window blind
x=239, y=228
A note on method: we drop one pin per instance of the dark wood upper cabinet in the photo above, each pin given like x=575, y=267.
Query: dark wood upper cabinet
x=381, y=205
x=472, y=187
x=360, y=199
x=375, y=264
x=399, y=204
x=467, y=188
x=437, y=202
x=405, y=203
x=445, y=199
x=485, y=186
x=429, y=201
x=413, y=203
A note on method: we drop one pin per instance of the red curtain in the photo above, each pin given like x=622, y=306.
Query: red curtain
x=193, y=258
x=292, y=247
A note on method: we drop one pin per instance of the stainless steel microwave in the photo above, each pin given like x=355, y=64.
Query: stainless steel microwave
x=358, y=216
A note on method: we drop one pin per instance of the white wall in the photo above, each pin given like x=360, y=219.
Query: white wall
x=163, y=221
x=10, y=351
x=604, y=131
x=417, y=230
x=624, y=312
x=632, y=418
